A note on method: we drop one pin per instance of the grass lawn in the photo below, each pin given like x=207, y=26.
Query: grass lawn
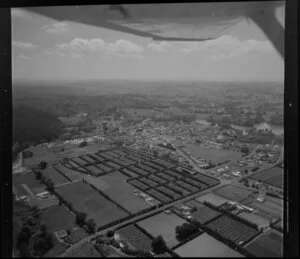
x=213, y=199
x=54, y=175
x=213, y=154
x=58, y=218
x=115, y=186
x=232, y=192
x=40, y=154
x=163, y=224
x=85, y=250
x=85, y=199
x=269, y=244
x=206, y=246
x=30, y=181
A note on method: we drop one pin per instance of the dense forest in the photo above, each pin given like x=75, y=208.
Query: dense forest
x=33, y=126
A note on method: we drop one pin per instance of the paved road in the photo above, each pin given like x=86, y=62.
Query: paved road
x=147, y=214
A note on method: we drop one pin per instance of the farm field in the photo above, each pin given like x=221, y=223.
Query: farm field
x=43, y=203
x=203, y=213
x=271, y=206
x=135, y=237
x=213, y=154
x=232, y=229
x=273, y=176
x=254, y=218
x=205, y=246
x=163, y=224
x=26, y=183
x=213, y=199
x=85, y=199
x=233, y=192
x=115, y=186
x=269, y=244
x=58, y=218
x=54, y=175
x=69, y=173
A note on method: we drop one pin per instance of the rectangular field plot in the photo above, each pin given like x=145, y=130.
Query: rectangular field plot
x=115, y=186
x=85, y=199
x=214, y=154
x=205, y=246
x=186, y=186
x=58, y=218
x=163, y=163
x=135, y=237
x=94, y=170
x=87, y=159
x=159, y=196
x=54, y=175
x=69, y=173
x=232, y=229
x=273, y=176
x=254, y=218
x=173, y=195
x=178, y=189
x=271, y=206
x=269, y=244
x=39, y=154
x=26, y=184
x=128, y=173
x=234, y=193
x=79, y=161
x=212, y=199
x=163, y=224
x=206, y=179
x=203, y=214
x=138, y=170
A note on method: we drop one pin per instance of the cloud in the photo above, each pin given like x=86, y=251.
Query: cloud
x=226, y=47
x=19, y=13
x=159, y=47
x=24, y=57
x=58, y=28
x=120, y=47
x=23, y=45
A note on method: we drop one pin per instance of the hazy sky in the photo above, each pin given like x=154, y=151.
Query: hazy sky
x=45, y=49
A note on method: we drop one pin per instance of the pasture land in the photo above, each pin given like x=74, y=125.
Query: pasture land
x=273, y=176
x=233, y=192
x=163, y=224
x=26, y=184
x=213, y=154
x=115, y=186
x=269, y=244
x=213, y=199
x=271, y=206
x=54, y=175
x=203, y=213
x=58, y=218
x=85, y=199
x=135, y=237
x=205, y=246
x=69, y=173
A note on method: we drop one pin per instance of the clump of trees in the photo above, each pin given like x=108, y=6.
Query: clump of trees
x=245, y=150
x=186, y=230
x=83, y=144
x=159, y=245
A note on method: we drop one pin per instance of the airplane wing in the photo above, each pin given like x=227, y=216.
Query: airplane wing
x=174, y=22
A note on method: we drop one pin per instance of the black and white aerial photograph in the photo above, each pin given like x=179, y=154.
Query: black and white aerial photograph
x=148, y=130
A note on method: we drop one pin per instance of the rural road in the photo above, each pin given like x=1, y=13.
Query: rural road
x=147, y=214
